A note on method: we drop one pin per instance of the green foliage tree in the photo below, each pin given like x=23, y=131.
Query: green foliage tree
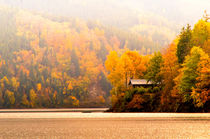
x=153, y=69
x=189, y=73
x=184, y=45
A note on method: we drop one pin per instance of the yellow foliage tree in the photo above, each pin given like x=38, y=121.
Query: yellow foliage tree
x=33, y=98
x=39, y=87
x=15, y=83
x=25, y=101
x=201, y=94
x=9, y=97
x=169, y=71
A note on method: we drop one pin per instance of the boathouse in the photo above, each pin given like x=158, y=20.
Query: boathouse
x=140, y=83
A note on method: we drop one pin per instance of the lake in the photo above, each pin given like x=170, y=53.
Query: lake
x=70, y=123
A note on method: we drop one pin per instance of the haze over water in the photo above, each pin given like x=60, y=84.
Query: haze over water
x=103, y=125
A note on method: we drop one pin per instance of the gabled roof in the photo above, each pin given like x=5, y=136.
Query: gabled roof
x=139, y=82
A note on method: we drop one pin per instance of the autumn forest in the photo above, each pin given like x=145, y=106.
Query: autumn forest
x=49, y=61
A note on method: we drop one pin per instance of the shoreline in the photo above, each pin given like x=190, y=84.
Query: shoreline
x=99, y=114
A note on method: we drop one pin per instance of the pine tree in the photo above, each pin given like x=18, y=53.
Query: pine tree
x=184, y=45
x=189, y=73
x=153, y=70
x=75, y=64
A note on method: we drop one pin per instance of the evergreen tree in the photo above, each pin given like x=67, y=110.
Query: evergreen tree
x=189, y=73
x=153, y=69
x=75, y=71
x=105, y=85
x=184, y=45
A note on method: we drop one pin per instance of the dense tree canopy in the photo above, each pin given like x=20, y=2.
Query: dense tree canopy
x=181, y=74
x=48, y=61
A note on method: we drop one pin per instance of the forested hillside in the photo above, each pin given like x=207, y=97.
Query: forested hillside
x=180, y=74
x=47, y=60
x=54, y=61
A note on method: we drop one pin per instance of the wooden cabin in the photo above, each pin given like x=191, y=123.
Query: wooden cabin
x=140, y=83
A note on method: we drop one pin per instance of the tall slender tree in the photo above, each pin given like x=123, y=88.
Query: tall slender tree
x=184, y=45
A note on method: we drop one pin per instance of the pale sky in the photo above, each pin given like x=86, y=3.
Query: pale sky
x=179, y=11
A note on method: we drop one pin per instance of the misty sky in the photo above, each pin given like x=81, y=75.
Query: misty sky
x=118, y=12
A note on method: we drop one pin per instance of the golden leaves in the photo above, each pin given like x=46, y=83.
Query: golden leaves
x=39, y=87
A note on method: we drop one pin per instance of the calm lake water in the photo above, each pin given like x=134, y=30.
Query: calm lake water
x=58, y=124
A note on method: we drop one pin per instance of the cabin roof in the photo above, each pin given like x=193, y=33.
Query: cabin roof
x=139, y=82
